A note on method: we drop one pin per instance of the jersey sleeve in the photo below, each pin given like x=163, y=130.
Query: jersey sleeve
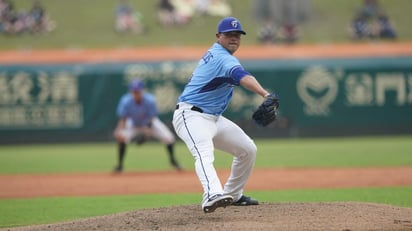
x=234, y=69
x=238, y=73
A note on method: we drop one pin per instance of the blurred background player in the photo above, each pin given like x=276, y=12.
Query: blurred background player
x=371, y=22
x=138, y=121
x=280, y=20
x=127, y=19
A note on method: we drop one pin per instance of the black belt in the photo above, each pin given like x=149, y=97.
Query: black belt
x=194, y=108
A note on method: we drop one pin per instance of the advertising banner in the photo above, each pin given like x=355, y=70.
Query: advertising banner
x=77, y=102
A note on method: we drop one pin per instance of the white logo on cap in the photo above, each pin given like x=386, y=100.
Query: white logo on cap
x=234, y=23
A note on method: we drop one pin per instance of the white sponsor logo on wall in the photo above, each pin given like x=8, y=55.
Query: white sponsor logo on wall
x=318, y=88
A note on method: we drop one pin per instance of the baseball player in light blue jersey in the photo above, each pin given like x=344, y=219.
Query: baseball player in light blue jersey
x=138, y=119
x=199, y=122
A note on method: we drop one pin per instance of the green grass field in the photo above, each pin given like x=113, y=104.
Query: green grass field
x=87, y=24
x=332, y=152
x=97, y=157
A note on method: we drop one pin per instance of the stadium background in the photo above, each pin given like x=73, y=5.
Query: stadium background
x=333, y=90
x=84, y=51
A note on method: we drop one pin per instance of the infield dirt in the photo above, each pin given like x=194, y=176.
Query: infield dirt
x=266, y=216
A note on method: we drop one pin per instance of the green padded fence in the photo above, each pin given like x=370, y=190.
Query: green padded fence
x=319, y=97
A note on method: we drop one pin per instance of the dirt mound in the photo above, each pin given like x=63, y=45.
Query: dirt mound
x=267, y=216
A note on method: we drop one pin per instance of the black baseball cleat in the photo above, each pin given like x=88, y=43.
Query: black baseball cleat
x=140, y=139
x=217, y=201
x=118, y=169
x=245, y=201
x=176, y=165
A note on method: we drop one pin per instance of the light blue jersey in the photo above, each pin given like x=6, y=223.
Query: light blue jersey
x=212, y=82
x=140, y=113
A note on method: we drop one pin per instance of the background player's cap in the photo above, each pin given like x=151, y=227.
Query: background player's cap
x=136, y=85
x=229, y=24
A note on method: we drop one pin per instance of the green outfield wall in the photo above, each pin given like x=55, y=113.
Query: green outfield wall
x=319, y=97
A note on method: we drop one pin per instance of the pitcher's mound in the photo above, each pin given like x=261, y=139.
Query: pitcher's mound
x=267, y=216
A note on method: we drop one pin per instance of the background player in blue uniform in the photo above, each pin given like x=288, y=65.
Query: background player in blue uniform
x=198, y=119
x=138, y=118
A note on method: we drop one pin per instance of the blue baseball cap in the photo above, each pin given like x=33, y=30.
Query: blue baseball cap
x=136, y=85
x=229, y=24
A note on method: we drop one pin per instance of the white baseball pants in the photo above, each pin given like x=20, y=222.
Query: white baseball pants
x=202, y=133
x=158, y=130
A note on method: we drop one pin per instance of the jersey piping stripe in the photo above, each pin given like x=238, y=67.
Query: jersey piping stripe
x=233, y=68
x=216, y=83
x=198, y=153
